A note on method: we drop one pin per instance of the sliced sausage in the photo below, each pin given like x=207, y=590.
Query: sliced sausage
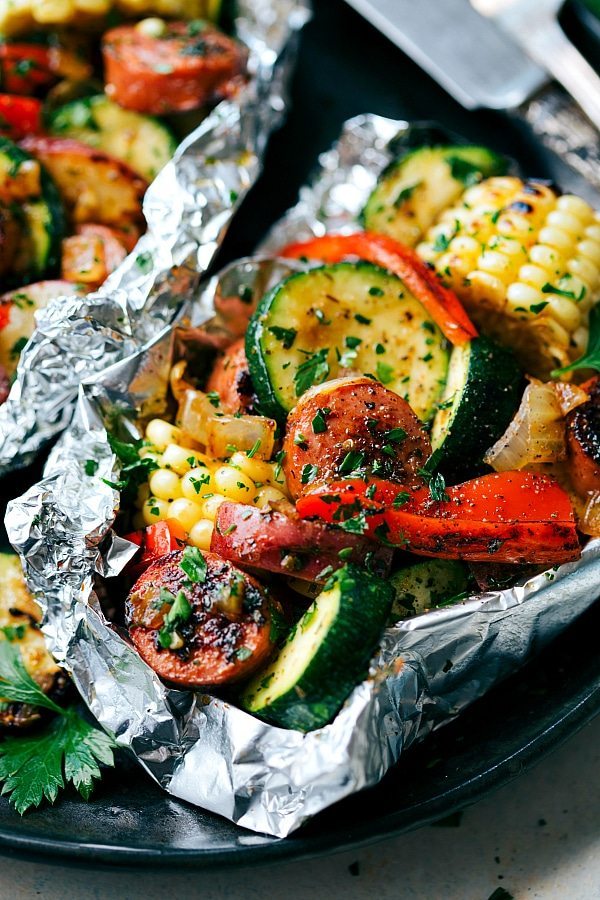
x=583, y=441
x=181, y=68
x=352, y=426
x=227, y=634
x=267, y=539
x=230, y=379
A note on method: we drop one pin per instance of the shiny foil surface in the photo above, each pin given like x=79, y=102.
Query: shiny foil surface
x=188, y=208
x=202, y=748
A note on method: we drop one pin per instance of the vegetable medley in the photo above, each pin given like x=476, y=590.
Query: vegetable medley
x=412, y=416
x=81, y=87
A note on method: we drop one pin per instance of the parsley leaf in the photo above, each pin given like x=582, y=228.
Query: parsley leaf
x=591, y=357
x=287, y=336
x=385, y=372
x=309, y=473
x=69, y=750
x=435, y=480
x=194, y=565
x=463, y=170
x=314, y=370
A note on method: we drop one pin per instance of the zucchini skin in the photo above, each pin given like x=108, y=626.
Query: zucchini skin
x=339, y=662
x=390, y=208
x=141, y=141
x=481, y=411
x=42, y=220
x=391, y=337
x=427, y=584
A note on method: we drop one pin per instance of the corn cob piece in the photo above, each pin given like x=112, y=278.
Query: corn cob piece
x=19, y=16
x=526, y=264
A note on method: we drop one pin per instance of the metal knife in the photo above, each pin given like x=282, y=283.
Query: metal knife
x=482, y=67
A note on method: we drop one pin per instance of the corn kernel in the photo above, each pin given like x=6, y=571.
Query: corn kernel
x=196, y=482
x=201, y=534
x=186, y=512
x=162, y=433
x=164, y=484
x=575, y=206
x=233, y=484
x=210, y=505
x=155, y=510
x=267, y=495
x=558, y=239
x=585, y=269
x=523, y=295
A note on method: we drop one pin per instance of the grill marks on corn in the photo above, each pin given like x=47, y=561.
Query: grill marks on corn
x=515, y=252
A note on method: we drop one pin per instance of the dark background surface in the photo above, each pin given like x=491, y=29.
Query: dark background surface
x=345, y=68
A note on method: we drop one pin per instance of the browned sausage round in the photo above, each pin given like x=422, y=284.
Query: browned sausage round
x=348, y=426
x=583, y=441
x=180, y=69
x=230, y=379
x=224, y=633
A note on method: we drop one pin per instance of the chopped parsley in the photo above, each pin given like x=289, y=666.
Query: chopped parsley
x=194, y=565
x=314, y=370
x=309, y=473
x=287, y=336
x=90, y=467
x=591, y=357
x=254, y=448
x=352, y=462
x=319, y=425
x=385, y=372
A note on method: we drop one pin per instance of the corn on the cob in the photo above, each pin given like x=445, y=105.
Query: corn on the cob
x=19, y=16
x=526, y=264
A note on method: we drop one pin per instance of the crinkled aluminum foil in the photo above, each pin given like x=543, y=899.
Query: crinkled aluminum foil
x=188, y=208
x=201, y=748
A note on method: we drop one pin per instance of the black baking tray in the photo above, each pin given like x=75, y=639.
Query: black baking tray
x=345, y=67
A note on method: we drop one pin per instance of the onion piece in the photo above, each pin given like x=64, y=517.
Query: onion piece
x=589, y=522
x=195, y=413
x=226, y=434
x=535, y=435
x=177, y=380
x=569, y=395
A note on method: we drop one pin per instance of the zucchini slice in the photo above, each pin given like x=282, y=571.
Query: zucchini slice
x=32, y=197
x=482, y=394
x=143, y=142
x=426, y=585
x=325, y=656
x=414, y=189
x=347, y=316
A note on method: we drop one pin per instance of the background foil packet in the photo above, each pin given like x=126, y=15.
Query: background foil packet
x=188, y=208
x=201, y=748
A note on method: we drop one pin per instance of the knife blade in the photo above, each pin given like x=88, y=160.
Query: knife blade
x=482, y=67
x=534, y=25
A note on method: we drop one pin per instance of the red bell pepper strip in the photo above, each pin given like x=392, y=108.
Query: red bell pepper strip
x=25, y=67
x=20, y=116
x=443, y=305
x=155, y=541
x=512, y=517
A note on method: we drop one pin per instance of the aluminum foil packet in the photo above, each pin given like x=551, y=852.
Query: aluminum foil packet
x=202, y=748
x=188, y=208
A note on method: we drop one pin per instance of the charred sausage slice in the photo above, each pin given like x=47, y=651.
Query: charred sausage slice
x=177, y=70
x=209, y=631
x=230, y=379
x=583, y=441
x=351, y=427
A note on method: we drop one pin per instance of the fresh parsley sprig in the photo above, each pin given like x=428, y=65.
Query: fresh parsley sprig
x=68, y=751
x=591, y=357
